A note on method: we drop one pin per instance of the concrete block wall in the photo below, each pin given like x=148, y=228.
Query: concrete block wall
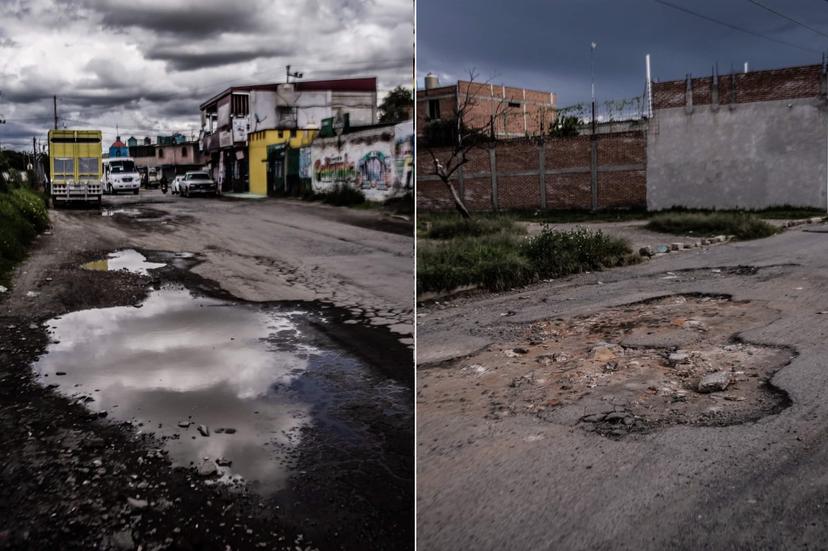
x=567, y=182
x=763, y=143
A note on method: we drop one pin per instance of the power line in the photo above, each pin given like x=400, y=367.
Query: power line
x=791, y=19
x=734, y=27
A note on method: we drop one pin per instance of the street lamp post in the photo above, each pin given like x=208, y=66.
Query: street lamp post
x=592, y=49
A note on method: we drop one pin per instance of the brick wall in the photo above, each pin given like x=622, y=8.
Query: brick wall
x=620, y=174
x=775, y=84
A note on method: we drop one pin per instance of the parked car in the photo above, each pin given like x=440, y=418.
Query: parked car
x=195, y=182
x=175, y=187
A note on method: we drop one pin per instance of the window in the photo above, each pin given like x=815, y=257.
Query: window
x=433, y=109
x=287, y=115
x=119, y=167
x=64, y=166
x=183, y=151
x=160, y=153
x=88, y=166
x=240, y=105
x=514, y=104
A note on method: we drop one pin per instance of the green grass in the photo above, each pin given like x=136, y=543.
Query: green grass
x=504, y=260
x=741, y=225
x=782, y=212
x=23, y=215
x=448, y=227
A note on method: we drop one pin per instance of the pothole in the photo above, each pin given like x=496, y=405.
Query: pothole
x=121, y=212
x=231, y=388
x=664, y=362
x=129, y=260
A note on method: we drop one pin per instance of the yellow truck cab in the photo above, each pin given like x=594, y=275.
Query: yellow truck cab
x=75, y=165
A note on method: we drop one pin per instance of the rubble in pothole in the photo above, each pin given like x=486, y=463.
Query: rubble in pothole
x=674, y=360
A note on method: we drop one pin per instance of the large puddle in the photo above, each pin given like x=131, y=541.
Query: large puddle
x=228, y=386
x=127, y=259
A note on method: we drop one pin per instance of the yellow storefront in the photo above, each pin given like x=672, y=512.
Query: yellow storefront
x=258, y=143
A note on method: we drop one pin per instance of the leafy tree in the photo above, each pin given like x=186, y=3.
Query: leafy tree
x=397, y=106
x=565, y=127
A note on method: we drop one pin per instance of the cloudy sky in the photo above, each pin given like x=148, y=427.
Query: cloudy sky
x=146, y=65
x=545, y=44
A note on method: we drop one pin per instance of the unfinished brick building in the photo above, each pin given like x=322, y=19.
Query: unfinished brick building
x=507, y=111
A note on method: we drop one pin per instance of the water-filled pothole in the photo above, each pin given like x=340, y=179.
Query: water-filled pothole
x=121, y=212
x=127, y=259
x=669, y=361
x=229, y=387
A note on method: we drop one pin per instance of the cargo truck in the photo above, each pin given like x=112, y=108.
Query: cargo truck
x=75, y=166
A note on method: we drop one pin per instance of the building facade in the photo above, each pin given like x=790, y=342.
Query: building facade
x=275, y=161
x=506, y=111
x=228, y=117
x=118, y=149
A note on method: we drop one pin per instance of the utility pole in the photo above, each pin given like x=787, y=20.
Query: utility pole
x=54, y=105
x=649, y=88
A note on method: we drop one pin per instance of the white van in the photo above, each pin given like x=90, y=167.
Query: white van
x=120, y=174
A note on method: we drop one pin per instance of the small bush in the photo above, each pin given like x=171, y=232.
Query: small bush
x=742, y=225
x=558, y=253
x=449, y=228
x=342, y=196
x=15, y=231
x=32, y=206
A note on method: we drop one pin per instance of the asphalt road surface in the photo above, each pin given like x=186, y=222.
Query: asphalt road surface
x=271, y=338
x=275, y=250
x=522, y=482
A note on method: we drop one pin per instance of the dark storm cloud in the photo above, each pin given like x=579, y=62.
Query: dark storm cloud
x=546, y=45
x=202, y=20
x=183, y=60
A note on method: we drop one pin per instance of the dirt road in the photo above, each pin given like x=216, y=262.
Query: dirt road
x=246, y=382
x=576, y=414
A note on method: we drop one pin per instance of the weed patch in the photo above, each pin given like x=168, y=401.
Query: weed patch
x=742, y=225
x=341, y=196
x=504, y=260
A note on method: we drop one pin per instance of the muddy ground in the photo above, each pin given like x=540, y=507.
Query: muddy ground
x=79, y=478
x=631, y=369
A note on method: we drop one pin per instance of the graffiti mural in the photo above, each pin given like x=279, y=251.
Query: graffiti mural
x=333, y=170
x=375, y=171
x=404, y=156
x=366, y=160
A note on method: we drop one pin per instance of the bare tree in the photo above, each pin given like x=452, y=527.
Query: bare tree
x=465, y=132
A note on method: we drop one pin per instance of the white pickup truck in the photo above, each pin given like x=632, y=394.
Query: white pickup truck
x=120, y=174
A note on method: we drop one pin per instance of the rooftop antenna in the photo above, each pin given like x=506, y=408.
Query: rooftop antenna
x=295, y=74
